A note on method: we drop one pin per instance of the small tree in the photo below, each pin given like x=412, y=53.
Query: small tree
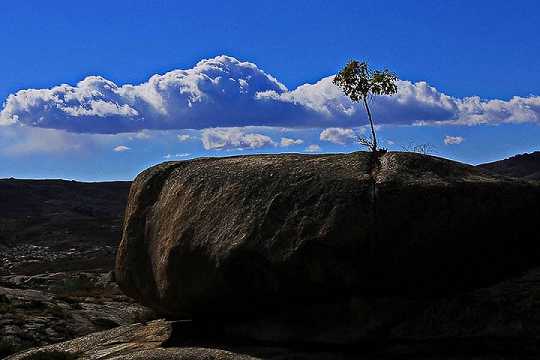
x=359, y=83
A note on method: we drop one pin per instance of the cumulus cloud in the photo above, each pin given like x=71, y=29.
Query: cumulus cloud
x=233, y=138
x=338, y=136
x=313, y=148
x=218, y=91
x=453, y=140
x=121, y=148
x=226, y=92
x=414, y=103
x=289, y=142
x=473, y=110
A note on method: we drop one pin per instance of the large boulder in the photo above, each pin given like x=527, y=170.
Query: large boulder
x=226, y=237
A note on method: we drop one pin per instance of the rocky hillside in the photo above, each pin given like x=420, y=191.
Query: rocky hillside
x=57, y=245
x=58, y=225
x=523, y=166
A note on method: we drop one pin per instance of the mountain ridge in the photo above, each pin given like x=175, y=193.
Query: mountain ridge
x=526, y=165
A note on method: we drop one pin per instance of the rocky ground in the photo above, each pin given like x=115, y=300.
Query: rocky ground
x=409, y=256
x=57, y=248
x=497, y=322
x=47, y=308
x=59, y=298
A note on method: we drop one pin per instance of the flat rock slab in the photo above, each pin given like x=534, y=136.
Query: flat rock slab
x=25, y=294
x=108, y=344
x=138, y=341
x=49, y=308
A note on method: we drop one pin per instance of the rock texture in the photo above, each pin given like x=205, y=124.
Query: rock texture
x=49, y=308
x=57, y=245
x=105, y=345
x=58, y=225
x=150, y=342
x=244, y=236
x=498, y=322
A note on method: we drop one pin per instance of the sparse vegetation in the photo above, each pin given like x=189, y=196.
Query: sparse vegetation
x=77, y=284
x=425, y=148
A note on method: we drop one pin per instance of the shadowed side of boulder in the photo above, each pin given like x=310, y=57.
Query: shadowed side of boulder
x=246, y=235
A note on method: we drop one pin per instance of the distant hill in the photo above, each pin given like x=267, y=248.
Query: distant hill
x=40, y=219
x=19, y=198
x=523, y=166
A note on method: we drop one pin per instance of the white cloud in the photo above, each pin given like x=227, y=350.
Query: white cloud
x=413, y=102
x=27, y=140
x=473, y=110
x=22, y=140
x=226, y=92
x=453, y=140
x=233, y=138
x=121, y=148
x=218, y=91
x=183, y=137
x=313, y=148
x=338, y=136
x=289, y=142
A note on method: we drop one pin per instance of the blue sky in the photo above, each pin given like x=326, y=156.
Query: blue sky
x=470, y=75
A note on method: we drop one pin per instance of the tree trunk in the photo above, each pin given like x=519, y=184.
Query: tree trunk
x=373, y=137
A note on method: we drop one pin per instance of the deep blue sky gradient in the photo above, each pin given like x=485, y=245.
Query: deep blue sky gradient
x=485, y=48
x=464, y=48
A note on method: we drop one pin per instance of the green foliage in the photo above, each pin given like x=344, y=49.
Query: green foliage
x=359, y=82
